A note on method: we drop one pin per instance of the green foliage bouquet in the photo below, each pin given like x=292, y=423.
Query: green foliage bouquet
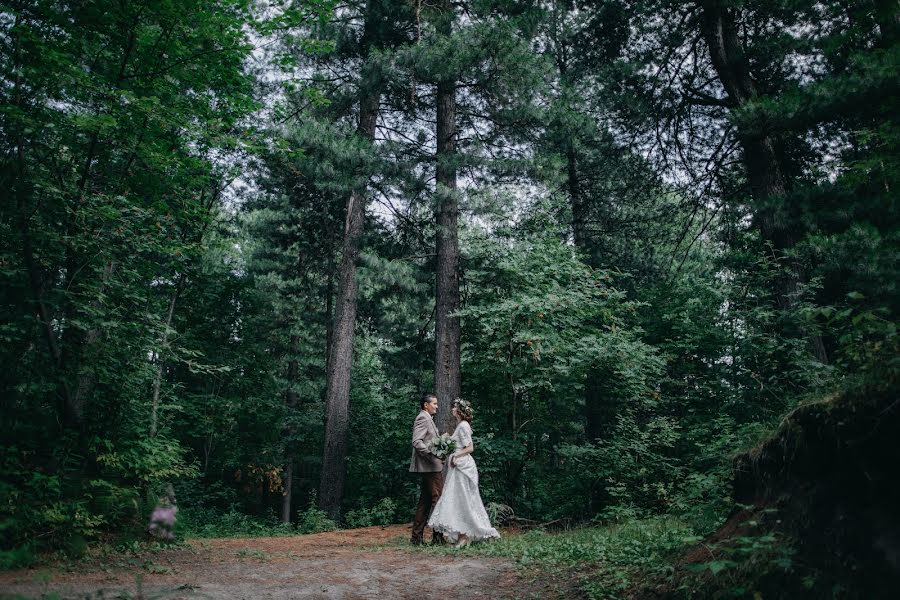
x=442, y=446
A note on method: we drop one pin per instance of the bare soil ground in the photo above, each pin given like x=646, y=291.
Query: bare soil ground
x=368, y=563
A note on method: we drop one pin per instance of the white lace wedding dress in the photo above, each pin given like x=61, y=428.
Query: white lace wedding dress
x=460, y=509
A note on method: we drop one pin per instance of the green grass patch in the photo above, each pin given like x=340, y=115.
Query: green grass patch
x=254, y=553
x=606, y=561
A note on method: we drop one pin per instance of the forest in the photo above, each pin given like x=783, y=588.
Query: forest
x=653, y=242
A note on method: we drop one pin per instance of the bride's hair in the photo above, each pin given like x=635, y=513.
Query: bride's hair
x=464, y=408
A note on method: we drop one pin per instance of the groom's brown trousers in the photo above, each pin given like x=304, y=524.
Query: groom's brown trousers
x=429, y=492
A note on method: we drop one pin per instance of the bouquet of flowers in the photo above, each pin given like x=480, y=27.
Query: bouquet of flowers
x=442, y=446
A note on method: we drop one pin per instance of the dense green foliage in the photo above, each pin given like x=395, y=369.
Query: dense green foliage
x=636, y=305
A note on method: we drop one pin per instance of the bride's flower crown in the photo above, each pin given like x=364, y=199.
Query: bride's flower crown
x=464, y=407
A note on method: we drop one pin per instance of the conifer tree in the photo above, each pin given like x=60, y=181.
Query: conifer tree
x=385, y=24
x=485, y=84
x=446, y=290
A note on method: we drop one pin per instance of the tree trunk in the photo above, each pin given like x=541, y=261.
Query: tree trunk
x=290, y=400
x=329, y=315
x=887, y=15
x=447, y=327
x=579, y=206
x=340, y=361
x=596, y=413
x=287, y=484
x=768, y=185
x=85, y=342
x=161, y=356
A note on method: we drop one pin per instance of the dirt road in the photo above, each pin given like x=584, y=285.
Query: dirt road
x=364, y=563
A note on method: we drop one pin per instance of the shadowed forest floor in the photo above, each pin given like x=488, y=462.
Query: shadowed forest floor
x=372, y=562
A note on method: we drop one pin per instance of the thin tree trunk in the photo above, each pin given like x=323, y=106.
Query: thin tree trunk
x=340, y=361
x=291, y=400
x=579, y=206
x=170, y=313
x=447, y=326
x=764, y=171
x=161, y=356
x=596, y=413
x=329, y=315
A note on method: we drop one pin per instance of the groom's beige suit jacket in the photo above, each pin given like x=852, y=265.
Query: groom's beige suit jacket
x=422, y=460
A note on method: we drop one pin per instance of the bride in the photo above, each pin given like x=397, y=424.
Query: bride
x=459, y=513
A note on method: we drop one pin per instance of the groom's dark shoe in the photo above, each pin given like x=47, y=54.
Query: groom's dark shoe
x=417, y=541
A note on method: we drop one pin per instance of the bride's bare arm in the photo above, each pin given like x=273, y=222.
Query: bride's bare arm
x=462, y=452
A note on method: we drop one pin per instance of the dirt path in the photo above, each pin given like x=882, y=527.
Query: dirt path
x=364, y=563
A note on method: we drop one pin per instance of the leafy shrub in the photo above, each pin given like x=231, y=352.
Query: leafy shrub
x=384, y=513
x=314, y=520
x=61, y=513
x=500, y=514
x=210, y=523
x=17, y=558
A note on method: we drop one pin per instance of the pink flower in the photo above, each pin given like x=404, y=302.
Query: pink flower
x=162, y=521
x=164, y=515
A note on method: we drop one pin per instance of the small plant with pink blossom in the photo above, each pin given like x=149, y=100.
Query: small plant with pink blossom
x=162, y=522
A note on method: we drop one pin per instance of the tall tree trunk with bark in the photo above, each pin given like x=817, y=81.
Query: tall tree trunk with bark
x=340, y=360
x=765, y=174
x=447, y=327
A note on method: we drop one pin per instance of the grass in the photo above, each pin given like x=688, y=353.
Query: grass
x=604, y=561
x=259, y=555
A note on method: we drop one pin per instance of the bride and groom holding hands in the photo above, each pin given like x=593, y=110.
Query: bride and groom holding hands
x=457, y=514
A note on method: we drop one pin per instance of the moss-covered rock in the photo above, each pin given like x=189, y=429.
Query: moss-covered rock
x=817, y=510
x=832, y=470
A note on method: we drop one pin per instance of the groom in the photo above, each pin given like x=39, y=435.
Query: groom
x=429, y=467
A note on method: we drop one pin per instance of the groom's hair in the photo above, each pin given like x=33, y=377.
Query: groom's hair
x=425, y=399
